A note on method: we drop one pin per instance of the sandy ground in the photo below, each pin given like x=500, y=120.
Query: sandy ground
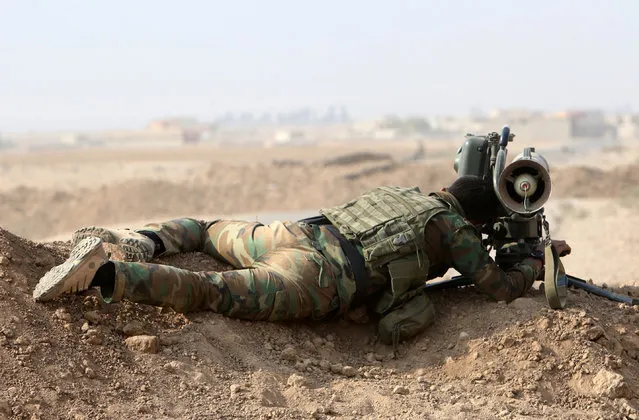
x=73, y=358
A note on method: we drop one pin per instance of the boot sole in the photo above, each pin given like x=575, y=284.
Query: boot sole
x=132, y=248
x=63, y=278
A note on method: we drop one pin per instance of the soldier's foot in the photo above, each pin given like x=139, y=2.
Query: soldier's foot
x=75, y=274
x=136, y=247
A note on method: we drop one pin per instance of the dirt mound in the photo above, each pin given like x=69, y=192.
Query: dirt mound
x=231, y=189
x=81, y=358
x=222, y=189
x=582, y=182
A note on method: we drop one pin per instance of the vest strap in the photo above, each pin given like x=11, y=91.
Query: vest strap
x=358, y=265
x=355, y=259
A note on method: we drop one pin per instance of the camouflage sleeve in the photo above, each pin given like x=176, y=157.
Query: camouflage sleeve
x=472, y=260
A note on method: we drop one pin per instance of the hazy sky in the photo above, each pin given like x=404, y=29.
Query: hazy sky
x=95, y=64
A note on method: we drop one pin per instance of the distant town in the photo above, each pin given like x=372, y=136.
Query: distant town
x=335, y=125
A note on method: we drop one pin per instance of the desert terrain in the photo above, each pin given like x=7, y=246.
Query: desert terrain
x=81, y=358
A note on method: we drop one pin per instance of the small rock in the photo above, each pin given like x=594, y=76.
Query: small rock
x=22, y=340
x=90, y=373
x=507, y=341
x=236, y=389
x=93, y=317
x=401, y=390
x=370, y=357
x=595, y=332
x=463, y=335
x=94, y=340
x=267, y=346
x=174, y=366
x=143, y=343
x=133, y=328
x=289, y=353
x=336, y=368
x=85, y=327
x=93, y=337
x=349, y=371
x=544, y=324
x=308, y=345
x=297, y=381
x=62, y=315
x=325, y=364
x=318, y=341
x=608, y=384
x=536, y=347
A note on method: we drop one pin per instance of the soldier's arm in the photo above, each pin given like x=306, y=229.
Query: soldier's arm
x=472, y=260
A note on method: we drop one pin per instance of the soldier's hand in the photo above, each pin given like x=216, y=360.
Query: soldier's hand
x=561, y=247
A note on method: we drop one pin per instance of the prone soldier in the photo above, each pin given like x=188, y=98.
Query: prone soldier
x=377, y=250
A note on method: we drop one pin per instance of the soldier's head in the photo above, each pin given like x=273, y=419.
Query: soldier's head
x=477, y=197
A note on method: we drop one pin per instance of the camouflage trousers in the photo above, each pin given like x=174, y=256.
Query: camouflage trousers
x=283, y=271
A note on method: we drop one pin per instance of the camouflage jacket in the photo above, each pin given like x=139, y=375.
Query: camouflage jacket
x=447, y=241
x=451, y=242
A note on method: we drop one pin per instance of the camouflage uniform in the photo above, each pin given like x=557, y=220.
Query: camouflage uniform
x=282, y=271
x=293, y=270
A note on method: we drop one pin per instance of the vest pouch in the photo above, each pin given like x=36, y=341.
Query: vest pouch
x=405, y=274
x=394, y=238
x=406, y=321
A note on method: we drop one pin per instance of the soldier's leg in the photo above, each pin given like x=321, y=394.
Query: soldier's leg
x=166, y=238
x=286, y=284
x=241, y=243
x=238, y=243
x=177, y=235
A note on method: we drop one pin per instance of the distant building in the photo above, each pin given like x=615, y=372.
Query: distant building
x=290, y=137
x=191, y=130
x=536, y=126
x=171, y=124
x=590, y=124
x=628, y=127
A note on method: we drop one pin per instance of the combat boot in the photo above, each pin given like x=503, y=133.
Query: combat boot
x=136, y=247
x=75, y=274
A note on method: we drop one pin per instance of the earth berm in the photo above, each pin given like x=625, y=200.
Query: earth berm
x=80, y=358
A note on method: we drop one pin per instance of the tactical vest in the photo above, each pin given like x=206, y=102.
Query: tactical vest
x=389, y=224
